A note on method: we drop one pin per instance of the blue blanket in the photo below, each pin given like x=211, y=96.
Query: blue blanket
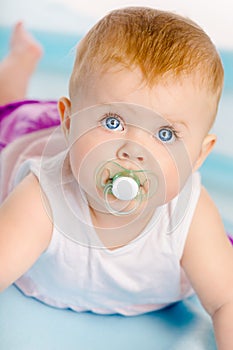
x=27, y=324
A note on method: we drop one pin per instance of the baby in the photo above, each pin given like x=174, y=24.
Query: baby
x=112, y=217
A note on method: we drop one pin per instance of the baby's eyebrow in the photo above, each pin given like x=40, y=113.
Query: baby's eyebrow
x=178, y=123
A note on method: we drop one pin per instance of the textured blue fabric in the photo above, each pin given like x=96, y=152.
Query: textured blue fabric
x=27, y=324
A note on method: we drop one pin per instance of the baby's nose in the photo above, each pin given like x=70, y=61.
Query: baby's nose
x=132, y=151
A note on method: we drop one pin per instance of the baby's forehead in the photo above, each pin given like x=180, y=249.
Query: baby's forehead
x=171, y=100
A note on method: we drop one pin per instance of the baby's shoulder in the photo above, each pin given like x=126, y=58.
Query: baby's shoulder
x=206, y=214
x=206, y=227
x=26, y=230
x=206, y=211
x=26, y=205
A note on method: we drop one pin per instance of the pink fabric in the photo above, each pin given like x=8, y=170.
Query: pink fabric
x=24, y=128
x=23, y=117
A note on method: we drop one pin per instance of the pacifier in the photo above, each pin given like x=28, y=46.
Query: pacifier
x=125, y=185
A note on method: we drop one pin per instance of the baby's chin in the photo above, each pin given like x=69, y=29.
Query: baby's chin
x=116, y=208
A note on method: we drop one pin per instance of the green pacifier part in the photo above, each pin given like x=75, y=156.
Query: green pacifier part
x=125, y=185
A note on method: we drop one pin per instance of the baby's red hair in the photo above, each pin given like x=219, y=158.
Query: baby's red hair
x=162, y=44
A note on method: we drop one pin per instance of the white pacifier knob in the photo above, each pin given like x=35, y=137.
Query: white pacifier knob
x=125, y=188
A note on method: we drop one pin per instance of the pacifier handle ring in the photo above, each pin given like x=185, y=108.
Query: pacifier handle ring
x=115, y=212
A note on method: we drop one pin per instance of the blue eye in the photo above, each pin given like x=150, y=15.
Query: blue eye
x=112, y=123
x=166, y=135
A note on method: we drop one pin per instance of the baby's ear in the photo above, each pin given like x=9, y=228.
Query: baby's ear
x=207, y=146
x=64, y=106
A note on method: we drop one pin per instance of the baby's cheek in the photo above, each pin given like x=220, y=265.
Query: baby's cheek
x=172, y=184
x=76, y=156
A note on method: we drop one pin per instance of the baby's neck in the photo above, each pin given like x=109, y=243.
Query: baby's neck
x=117, y=231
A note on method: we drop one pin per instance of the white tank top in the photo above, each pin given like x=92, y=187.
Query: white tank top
x=142, y=276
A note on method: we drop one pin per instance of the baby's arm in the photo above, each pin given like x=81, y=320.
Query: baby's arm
x=208, y=262
x=25, y=230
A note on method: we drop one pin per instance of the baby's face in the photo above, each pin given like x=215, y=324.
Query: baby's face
x=160, y=129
